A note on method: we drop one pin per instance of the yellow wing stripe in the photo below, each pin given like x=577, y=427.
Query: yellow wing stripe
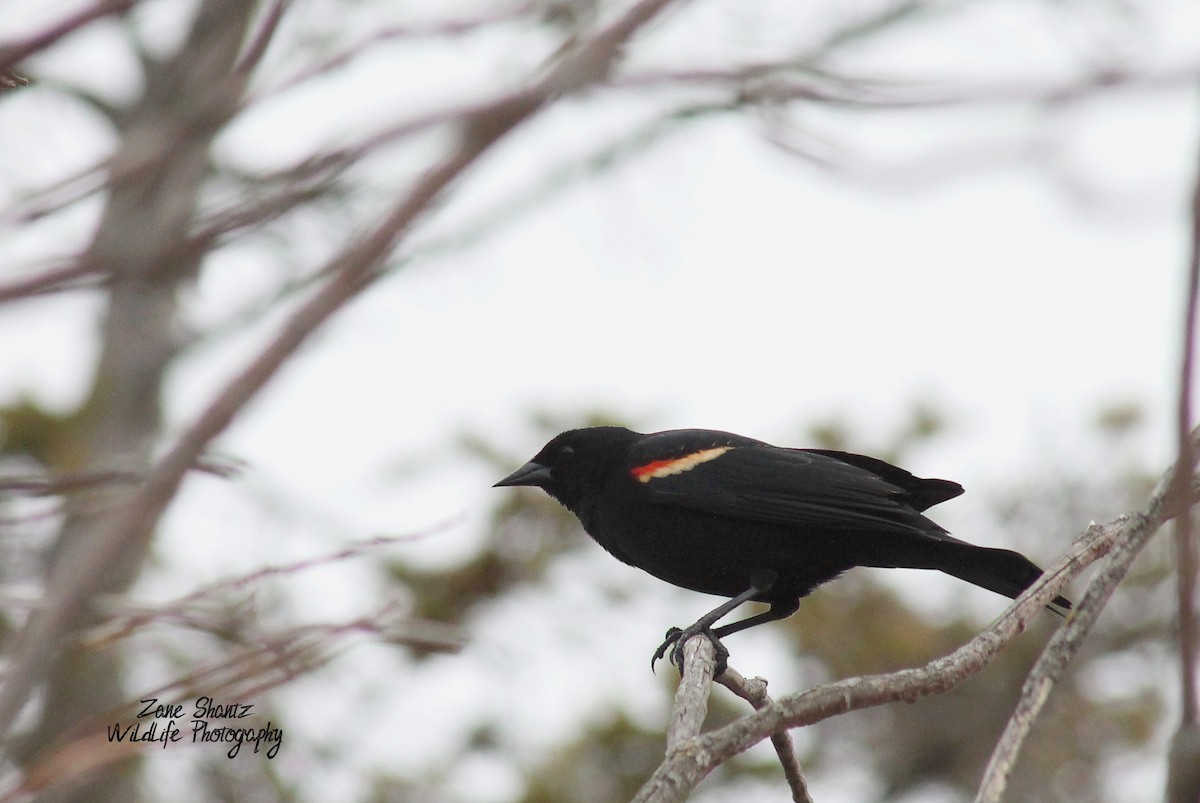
x=676, y=465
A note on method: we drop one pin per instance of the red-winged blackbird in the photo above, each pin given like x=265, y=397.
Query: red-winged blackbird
x=728, y=515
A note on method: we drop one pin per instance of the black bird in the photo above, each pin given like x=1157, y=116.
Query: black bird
x=736, y=517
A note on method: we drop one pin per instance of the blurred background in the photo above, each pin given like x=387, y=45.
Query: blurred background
x=952, y=235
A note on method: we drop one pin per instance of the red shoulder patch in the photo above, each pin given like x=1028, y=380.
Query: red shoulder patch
x=676, y=465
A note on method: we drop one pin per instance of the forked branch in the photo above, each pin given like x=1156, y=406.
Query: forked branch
x=691, y=757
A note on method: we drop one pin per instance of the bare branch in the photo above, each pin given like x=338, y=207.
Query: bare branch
x=87, y=480
x=13, y=53
x=754, y=691
x=561, y=177
x=1183, y=771
x=55, y=280
x=352, y=270
x=583, y=62
x=261, y=39
x=1186, y=559
x=1166, y=502
x=144, y=218
x=59, y=194
x=788, y=80
x=125, y=624
x=440, y=28
x=268, y=661
x=691, y=697
x=684, y=764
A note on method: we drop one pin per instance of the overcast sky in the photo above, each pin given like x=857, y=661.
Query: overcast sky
x=713, y=281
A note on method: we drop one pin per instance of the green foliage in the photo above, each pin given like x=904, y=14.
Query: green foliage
x=29, y=429
x=609, y=764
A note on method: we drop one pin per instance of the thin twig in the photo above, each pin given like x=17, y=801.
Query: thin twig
x=780, y=81
x=59, y=194
x=56, y=485
x=754, y=691
x=125, y=624
x=439, y=28
x=68, y=277
x=261, y=39
x=10, y=54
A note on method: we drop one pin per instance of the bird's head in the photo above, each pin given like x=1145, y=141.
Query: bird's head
x=574, y=464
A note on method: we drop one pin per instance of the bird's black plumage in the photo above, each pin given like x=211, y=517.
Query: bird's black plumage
x=733, y=516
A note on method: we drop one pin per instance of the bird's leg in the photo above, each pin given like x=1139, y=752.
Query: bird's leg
x=675, y=639
x=778, y=610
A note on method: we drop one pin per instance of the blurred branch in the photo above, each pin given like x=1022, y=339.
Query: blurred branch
x=440, y=28
x=59, y=194
x=55, y=280
x=553, y=181
x=257, y=47
x=180, y=610
x=782, y=81
x=10, y=54
x=87, y=480
x=268, y=660
x=1185, y=542
x=273, y=198
x=11, y=79
x=562, y=177
x=252, y=214
x=772, y=86
x=824, y=88
x=162, y=160
x=1183, y=771
x=783, y=89
x=884, y=20
x=585, y=62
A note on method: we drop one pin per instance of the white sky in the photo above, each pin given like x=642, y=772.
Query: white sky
x=714, y=281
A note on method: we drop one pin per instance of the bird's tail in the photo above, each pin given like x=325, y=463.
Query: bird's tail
x=1000, y=570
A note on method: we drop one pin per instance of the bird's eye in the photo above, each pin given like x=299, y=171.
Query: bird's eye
x=567, y=451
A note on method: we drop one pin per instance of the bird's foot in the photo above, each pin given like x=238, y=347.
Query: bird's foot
x=675, y=640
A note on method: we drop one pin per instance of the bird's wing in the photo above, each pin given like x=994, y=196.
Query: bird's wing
x=804, y=488
x=922, y=493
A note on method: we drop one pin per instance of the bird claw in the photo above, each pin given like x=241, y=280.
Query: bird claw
x=676, y=638
x=672, y=637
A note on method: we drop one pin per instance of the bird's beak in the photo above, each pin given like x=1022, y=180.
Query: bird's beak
x=529, y=474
